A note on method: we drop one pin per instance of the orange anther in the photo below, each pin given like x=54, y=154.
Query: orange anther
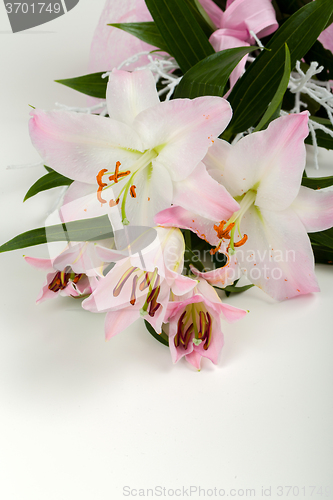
x=241, y=242
x=132, y=191
x=99, y=177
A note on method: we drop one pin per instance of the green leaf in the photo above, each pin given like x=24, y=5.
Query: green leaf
x=278, y=97
x=163, y=338
x=323, y=238
x=98, y=228
x=317, y=182
x=207, y=25
x=236, y=289
x=181, y=31
x=210, y=76
x=191, y=258
x=255, y=90
x=48, y=169
x=147, y=32
x=323, y=255
x=48, y=181
x=93, y=84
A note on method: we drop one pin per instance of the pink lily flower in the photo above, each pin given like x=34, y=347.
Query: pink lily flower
x=73, y=272
x=146, y=156
x=195, y=329
x=268, y=235
x=139, y=285
x=65, y=282
x=233, y=26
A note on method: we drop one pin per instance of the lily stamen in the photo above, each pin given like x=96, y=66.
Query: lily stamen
x=132, y=191
x=134, y=283
x=119, y=286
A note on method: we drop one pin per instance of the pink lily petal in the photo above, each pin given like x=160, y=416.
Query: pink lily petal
x=71, y=143
x=263, y=161
x=221, y=276
x=194, y=358
x=326, y=38
x=45, y=264
x=201, y=194
x=117, y=321
x=103, y=56
x=314, y=208
x=184, y=219
x=230, y=313
x=214, y=12
x=277, y=256
x=138, y=92
x=257, y=16
x=184, y=129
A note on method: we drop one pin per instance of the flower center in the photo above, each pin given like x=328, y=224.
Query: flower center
x=226, y=229
x=151, y=280
x=195, y=323
x=62, y=278
x=116, y=176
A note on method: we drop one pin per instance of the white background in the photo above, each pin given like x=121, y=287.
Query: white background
x=81, y=418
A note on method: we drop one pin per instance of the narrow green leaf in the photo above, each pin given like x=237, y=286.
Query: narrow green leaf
x=147, y=32
x=181, y=31
x=98, y=228
x=255, y=90
x=93, y=84
x=207, y=25
x=48, y=181
x=191, y=258
x=210, y=76
x=323, y=238
x=163, y=338
x=48, y=169
x=236, y=289
x=317, y=182
x=278, y=97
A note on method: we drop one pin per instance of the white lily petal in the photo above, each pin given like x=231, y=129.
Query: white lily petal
x=79, y=146
x=130, y=93
x=277, y=256
x=314, y=208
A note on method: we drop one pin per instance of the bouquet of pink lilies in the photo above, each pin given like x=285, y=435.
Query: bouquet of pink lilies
x=185, y=177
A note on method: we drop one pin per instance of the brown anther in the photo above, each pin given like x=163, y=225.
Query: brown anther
x=134, y=283
x=132, y=191
x=180, y=330
x=187, y=335
x=208, y=331
x=241, y=242
x=77, y=278
x=145, y=282
x=119, y=286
